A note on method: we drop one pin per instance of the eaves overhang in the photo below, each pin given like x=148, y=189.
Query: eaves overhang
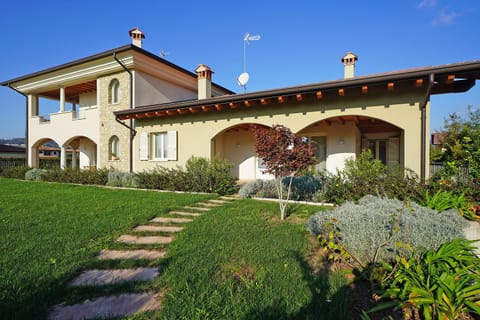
x=458, y=77
x=102, y=55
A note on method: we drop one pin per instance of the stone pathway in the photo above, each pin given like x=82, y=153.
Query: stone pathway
x=127, y=304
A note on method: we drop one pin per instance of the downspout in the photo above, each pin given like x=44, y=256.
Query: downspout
x=26, y=121
x=423, y=106
x=130, y=126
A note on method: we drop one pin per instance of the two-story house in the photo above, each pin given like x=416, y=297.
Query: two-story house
x=133, y=110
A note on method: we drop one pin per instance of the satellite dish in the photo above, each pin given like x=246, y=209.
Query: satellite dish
x=243, y=79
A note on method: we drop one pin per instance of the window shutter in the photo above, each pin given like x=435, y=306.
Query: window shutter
x=172, y=145
x=143, y=146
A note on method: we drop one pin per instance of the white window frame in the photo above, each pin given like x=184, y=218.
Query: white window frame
x=148, y=146
x=159, y=146
x=114, y=91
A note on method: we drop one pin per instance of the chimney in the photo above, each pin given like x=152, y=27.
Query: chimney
x=349, y=63
x=204, y=76
x=137, y=35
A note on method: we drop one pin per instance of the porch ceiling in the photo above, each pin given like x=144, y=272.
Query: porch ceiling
x=73, y=92
x=364, y=124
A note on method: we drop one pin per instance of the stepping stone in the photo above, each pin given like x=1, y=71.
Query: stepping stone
x=197, y=208
x=206, y=204
x=171, y=220
x=114, y=306
x=126, y=238
x=158, y=228
x=184, y=213
x=218, y=201
x=102, y=277
x=229, y=197
x=131, y=254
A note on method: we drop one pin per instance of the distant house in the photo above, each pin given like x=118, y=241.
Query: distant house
x=129, y=109
x=438, y=138
x=11, y=152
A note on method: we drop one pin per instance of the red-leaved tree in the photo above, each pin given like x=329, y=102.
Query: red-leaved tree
x=284, y=154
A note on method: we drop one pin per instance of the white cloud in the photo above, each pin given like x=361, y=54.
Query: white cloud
x=446, y=17
x=427, y=4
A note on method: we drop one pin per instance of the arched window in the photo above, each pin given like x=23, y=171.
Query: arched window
x=114, y=148
x=114, y=91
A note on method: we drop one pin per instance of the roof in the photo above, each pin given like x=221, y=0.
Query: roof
x=103, y=55
x=457, y=77
x=13, y=149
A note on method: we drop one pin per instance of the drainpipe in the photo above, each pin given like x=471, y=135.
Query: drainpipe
x=26, y=121
x=130, y=126
x=423, y=106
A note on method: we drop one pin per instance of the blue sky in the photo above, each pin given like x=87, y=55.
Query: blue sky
x=301, y=41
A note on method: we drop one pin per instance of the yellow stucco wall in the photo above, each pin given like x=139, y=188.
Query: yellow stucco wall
x=196, y=131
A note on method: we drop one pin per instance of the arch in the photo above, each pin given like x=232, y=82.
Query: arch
x=45, y=153
x=114, y=91
x=84, y=151
x=114, y=148
x=237, y=145
x=341, y=137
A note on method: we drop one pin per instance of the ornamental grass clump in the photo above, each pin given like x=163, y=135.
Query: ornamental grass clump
x=378, y=228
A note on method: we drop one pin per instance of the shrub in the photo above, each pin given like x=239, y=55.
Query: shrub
x=305, y=187
x=440, y=284
x=381, y=224
x=35, y=174
x=15, y=172
x=444, y=200
x=68, y=175
x=200, y=175
x=365, y=176
x=210, y=176
x=259, y=188
x=122, y=179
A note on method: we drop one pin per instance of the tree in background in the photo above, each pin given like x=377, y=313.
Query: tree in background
x=461, y=143
x=284, y=154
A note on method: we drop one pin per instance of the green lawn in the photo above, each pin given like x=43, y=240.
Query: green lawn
x=237, y=261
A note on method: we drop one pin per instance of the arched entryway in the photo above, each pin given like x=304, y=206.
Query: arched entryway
x=337, y=139
x=237, y=145
x=86, y=152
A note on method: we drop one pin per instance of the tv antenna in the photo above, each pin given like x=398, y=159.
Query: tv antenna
x=244, y=76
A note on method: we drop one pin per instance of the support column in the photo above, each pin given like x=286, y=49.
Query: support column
x=74, y=159
x=63, y=157
x=32, y=101
x=62, y=99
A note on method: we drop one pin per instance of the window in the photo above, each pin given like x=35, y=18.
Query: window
x=158, y=146
x=114, y=148
x=320, y=145
x=114, y=91
x=385, y=150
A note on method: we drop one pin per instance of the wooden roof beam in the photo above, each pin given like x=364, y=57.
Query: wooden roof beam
x=364, y=89
x=281, y=99
x=450, y=78
x=171, y=112
x=419, y=83
x=233, y=105
x=206, y=108
x=319, y=94
x=341, y=92
x=248, y=103
x=160, y=113
x=219, y=107
x=299, y=97
x=390, y=86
